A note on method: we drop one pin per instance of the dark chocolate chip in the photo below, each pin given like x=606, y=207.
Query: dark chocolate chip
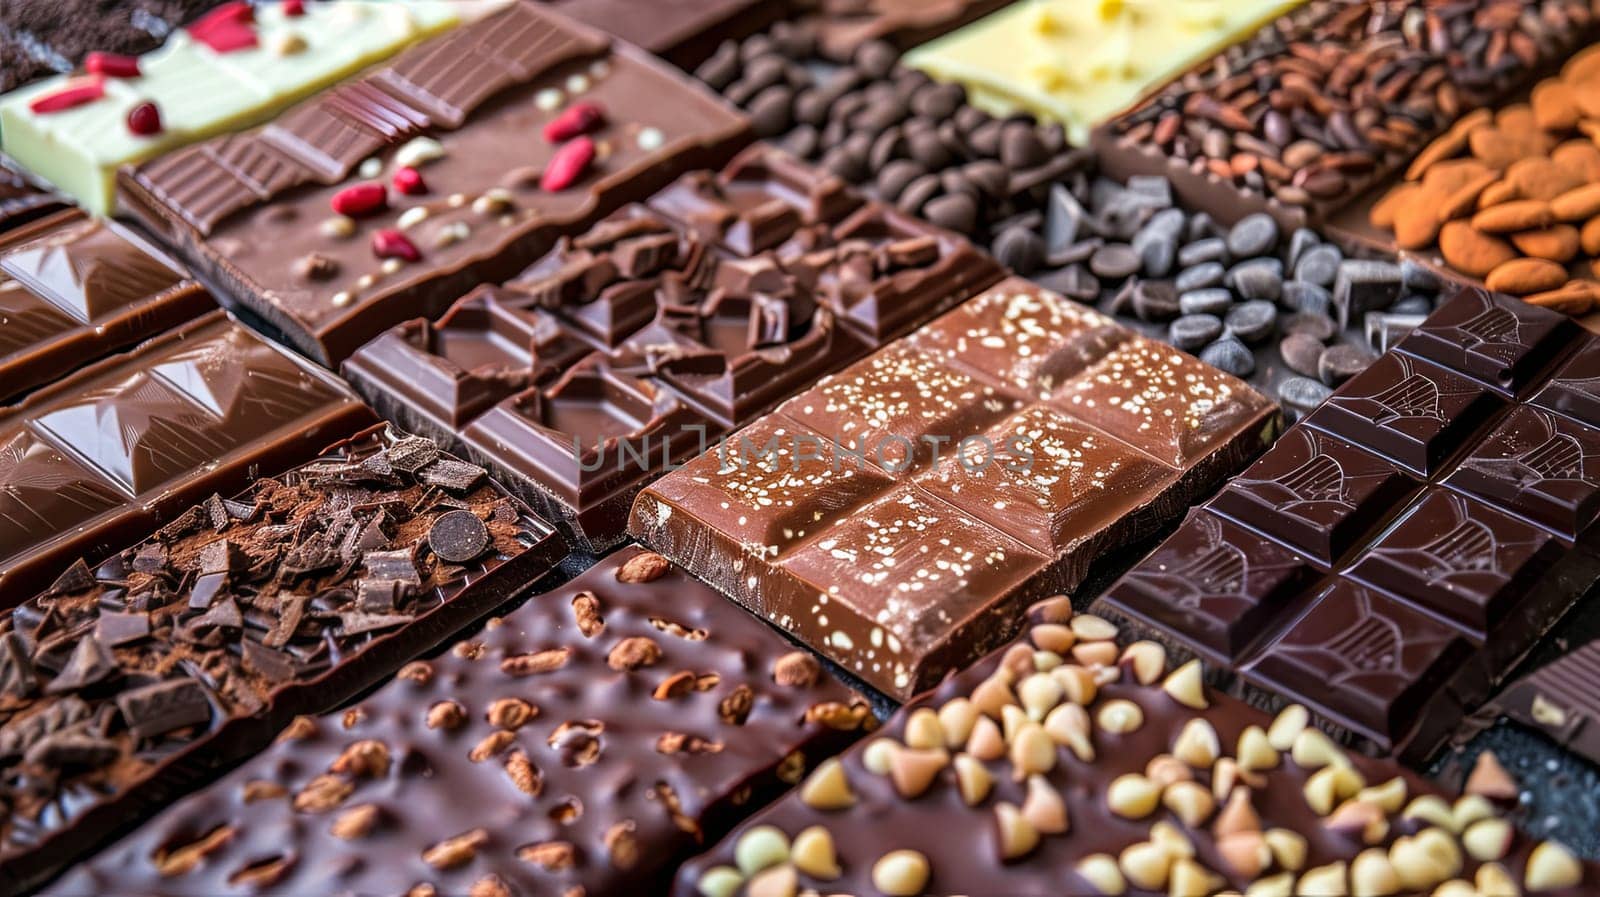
x=1254, y=235
x=875, y=59
x=89, y=664
x=953, y=211
x=1200, y=277
x=1212, y=301
x=1192, y=332
x=771, y=111
x=1319, y=265
x=1303, y=394
x=1210, y=249
x=1340, y=363
x=1230, y=356
x=1253, y=321
x=1305, y=297
x=1258, y=279
x=458, y=536
x=1155, y=301
x=1020, y=249
x=1301, y=352
x=1115, y=261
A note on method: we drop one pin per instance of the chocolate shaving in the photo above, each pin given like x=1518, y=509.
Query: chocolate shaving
x=89, y=664
x=411, y=454
x=74, y=579
x=160, y=708
x=448, y=473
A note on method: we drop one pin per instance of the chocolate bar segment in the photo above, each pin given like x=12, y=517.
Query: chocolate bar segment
x=1390, y=560
x=131, y=683
x=20, y=200
x=515, y=129
x=682, y=31
x=898, y=516
x=74, y=289
x=586, y=743
x=634, y=345
x=1071, y=763
x=99, y=459
x=1560, y=699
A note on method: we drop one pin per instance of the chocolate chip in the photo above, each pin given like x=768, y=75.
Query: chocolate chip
x=1301, y=352
x=1200, y=277
x=448, y=473
x=1305, y=297
x=1254, y=235
x=722, y=69
x=771, y=111
x=1155, y=300
x=76, y=578
x=1319, y=265
x=1192, y=332
x=1020, y=146
x=1114, y=261
x=1253, y=321
x=1230, y=356
x=1302, y=394
x=1210, y=249
x=1020, y=249
x=1157, y=251
x=89, y=664
x=1419, y=277
x=1257, y=279
x=1340, y=363
x=953, y=211
x=458, y=536
x=875, y=59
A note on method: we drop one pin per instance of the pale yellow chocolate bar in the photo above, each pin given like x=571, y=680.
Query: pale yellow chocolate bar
x=1080, y=62
x=199, y=92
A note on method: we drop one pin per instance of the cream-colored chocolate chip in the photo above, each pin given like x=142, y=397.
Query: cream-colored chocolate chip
x=828, y=787
x=338, y=227
x=923, y=730
x=1457, y=887
x=1423, y=861
x=1146, y=865
x=1226, y=776
x=1039, y=694
x=779, y=881
x=913, y=771
x=1044, y=807
x=815, y=855
x=1119, y=717
x=455, y=852
x=1389, y=797
x=720, y=881
x=1287, y=726
x=1146, y=660
x=1492, y=880
x=1246, y=853
x=993, y=694
x=1171, y=839
x=1255, y=751
x=1097, y=656
x=1166, y=770
x=1190, y=879
x=760, y=847
x=797, y=669
x=1017, y=662
x=1090, y=628
x=1372, y=875
x=1197, y=744
x=1280, y=885
x=1101, y=872
x=1330, y=785
x=901, y=873
x=973, y=779
x=1469, y=808
x=1032, y=751
x=1186, y=686
x=1190, y=802
x=956, y=718
x=1288, y=848
x=418, y=151
x=1068, y=725
x=1487, y=840
x=356, y=822
x=1045, y=661
x=1432, y=809
x=1313, y=749
x=1012, y=719
x=1053, y=637
x=1133, y=796
x=1323, y=881
x=1360, y=820
x=986, y=741
x=1077, y=683
x=1238, y=814
x=1489, y=779
x=1015, y=836
x=1551, y=867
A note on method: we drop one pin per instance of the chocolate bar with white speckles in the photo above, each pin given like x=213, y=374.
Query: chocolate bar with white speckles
x=898, y=516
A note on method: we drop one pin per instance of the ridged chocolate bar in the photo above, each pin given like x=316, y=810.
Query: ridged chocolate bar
x=631, y=347
x=95, y=461
x=584, y=744
x=126, y=686
x=1391, y=558
x=458, y=163
x=75, y=289
x=20, y=200
x=899, y=516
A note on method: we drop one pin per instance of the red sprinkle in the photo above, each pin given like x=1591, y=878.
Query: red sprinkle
x=361, y=199
x=568, y=164
x=391, y=244
x=409, y=181
x=294, y=8
x=111, y=65
x=73, y=93
x=228, y=38
x=579, y=118
x=144, y=119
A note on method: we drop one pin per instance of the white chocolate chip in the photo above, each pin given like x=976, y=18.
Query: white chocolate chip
x=1551, y=867
x=288, y=43
x=1186, y=687
x=1313, y=749
x=973, y=779
x=1238, y=814
x=1288, y=848
x=1120, y=717
x=548, y=99
x=1190, y=879
x=762, y=847
x=1133, y=796
x=412, y=217
x=390, y=266
x=1039, y=694
x=1255, y=751
x=901, y=873
x=1492, y=880
x=1077, y=683
x=365, y=281
x=1246, y=853
x=417, y=152
x=1101, y=872
x=1389, y=797
x=650, y=139
x=1147, y=660
x=1032, y=751
x=1090, y=628
x=956, y=718
x=1146, y=865
x=1044, y=808
x=1017, y=836
x=577, y=83
x=452, y=233
x=341, y=299
x=1323, y=881
x=1052, y=637
x=1197, y=744
x=986, y=742
x=879, y=755
x=1372, y=875
x=814, y=854
x=1330, y=785
x=1280, y=885
x=923, y=729
x=1287, y=726
x=370, y=168
x=720, y=881
x=913, y=771
x=1430, y=808
x=1487, y=840
x=1190, y=802
x=338, y=227
x=779, y=881
x=828, y=787
x=1165, y=769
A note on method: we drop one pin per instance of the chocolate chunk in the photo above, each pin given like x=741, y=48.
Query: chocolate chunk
x=1253, y=235
x=458, y=536
x=76, y=578
x=157, y=709
x=116, y=629
x=17, y=676
x=90, y=664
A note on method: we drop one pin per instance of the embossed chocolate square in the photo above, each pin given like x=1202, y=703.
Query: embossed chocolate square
x=1497, y=339
x=1574, y=390
x=1538, y=464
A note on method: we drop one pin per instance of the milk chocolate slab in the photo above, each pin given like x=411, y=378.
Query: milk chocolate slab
x=586, y=743
x=304, y=222
x=1560, y=699
x=1003, y=782
x=132, y=683
x=20, y=200
x=74, y=289
x=682, y=31
x=632, y=346
x=1390, y=561
x=98, y=459
x=899, y=515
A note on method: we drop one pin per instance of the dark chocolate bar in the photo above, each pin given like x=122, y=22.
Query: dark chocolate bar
x=20, y=200
x=631, y=347
x=128, y=685
x=75, y=289
x=458, y=163
x=586, y=743
x=898, y=516
x=1393, y=557
x=1561, y=699
x=95, y=461
x=1069, y=764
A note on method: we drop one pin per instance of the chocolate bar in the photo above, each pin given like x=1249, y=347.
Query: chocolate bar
x=20, y=200
x=631, y=347
x=1559, y=699
x=1328, y=101
x=129, y=684
x=1070, y=764
x=586, y=743
x=95, y=461
x=898, y=516
x=459, y=163
x=682, y=31
x=1391, y=558
x=842, y=27
x=234, y=67
x=74, y=289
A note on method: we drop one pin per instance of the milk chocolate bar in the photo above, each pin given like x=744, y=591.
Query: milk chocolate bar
x=20, y=200
x=1392, y=558
x=633, y=346
x=682, y=31
x=900, y=515
x=458, y=163
x=128, y=684
x=586, y=743
x=74, y=289
x=1071, y=764
x=95, y=461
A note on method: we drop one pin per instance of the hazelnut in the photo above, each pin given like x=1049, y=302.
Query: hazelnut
x=511, y=713
x=646, y=566
x=260, y=789
x=316, y=266
x=299, y=729
x=675, y=686
x=973, y=779
x=356, y=822
x=586, y=609
x=633, y=653
x=418, y=671
x=491, y=745
x=322, y=794
x=1186, y=686
x=621, y=844
x=797, y=669
x=458, y=851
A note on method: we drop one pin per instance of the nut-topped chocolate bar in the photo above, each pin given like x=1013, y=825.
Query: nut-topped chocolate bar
x=460, y=162
x=124, y=685
x=899, y=515
x=584, y=744
x=635, y=345
x=1071, y=763
x=1395, y=555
